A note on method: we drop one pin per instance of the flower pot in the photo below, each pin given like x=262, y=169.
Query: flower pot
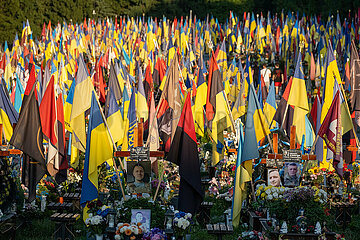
x=99, y=236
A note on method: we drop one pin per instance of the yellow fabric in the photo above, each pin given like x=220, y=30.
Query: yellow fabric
x=200, y=101
x=261, y=127
x=242, y=176
x=7, y=127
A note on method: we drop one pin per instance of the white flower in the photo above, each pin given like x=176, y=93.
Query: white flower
x=268, y=191
x=275, y=195
x=117, y=237
x=269, y=197
x=146, y=195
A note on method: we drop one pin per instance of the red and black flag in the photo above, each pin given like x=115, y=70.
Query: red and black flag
x=285, y=111
x=62, y=174
x=28, y=137
x=159, y=71
x=184, y=153
x=148, y=84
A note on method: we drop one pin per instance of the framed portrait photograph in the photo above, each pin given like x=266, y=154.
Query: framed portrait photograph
x=273, y=177
x=138, y=176
x=141, y=216
x=292, y=171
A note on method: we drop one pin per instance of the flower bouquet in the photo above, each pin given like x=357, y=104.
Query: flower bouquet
x=253, y=235
x=155, y=234
x=129, y=231
x=96, y=224
x=182, y=222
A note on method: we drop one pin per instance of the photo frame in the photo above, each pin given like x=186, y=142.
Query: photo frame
x=273, y=177
x=138, y=176
x=292, y=173
x=141, y=215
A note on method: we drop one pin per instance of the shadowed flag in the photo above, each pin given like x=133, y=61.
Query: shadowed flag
x=184, y=153
x=28, y=138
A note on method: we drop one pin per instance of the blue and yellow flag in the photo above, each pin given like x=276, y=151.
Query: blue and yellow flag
x=241, y=177
x=132, y=119
x=98, y=150
x=114, y=119
x=270, y=104
x=8, y=114
x=256, y=128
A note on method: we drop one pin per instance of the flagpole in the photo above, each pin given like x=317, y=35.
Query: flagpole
x=114, y=146
x=158, y=186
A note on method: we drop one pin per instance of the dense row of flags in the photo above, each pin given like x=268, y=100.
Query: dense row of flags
x=112, y=73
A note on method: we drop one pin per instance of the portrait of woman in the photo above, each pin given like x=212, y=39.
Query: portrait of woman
x=138, y=178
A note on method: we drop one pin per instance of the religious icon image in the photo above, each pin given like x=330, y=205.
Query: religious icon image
x=141, y=216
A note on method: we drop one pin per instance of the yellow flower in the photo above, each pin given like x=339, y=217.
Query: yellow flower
x=261, y=187
x=263, y=195
x=311, y=171
x=258, y=192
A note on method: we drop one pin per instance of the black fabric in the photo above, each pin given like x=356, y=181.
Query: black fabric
x=183, y=152
x=28, y=138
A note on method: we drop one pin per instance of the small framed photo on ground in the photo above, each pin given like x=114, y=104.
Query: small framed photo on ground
x=273, y=177
x=292, y=172
x=138, y=176
x=141, y=216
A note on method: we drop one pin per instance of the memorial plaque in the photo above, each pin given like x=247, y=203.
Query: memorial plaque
x=140, y=153
x=292, y=155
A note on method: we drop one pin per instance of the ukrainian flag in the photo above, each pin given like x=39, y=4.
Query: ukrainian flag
x=200, y=101
x=270, y=104
x=241, y=176
x=98, y=150
x=255, y=127
x=8, y=114
x=114, y=119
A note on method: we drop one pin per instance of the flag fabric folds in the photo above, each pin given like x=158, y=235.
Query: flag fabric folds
x=184, y=153
x=255, y=128
x=8, y=114
x=28, y=137
x=241, y=177
x=98, y=150
x=331, y=132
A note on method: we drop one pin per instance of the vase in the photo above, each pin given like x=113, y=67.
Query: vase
x=99, y=236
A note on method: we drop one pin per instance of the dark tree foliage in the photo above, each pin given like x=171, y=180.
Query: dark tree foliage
x=14, y=12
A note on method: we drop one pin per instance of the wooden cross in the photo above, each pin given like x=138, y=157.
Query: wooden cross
x=138, y=142
x=5, y=153
x=278, y=156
